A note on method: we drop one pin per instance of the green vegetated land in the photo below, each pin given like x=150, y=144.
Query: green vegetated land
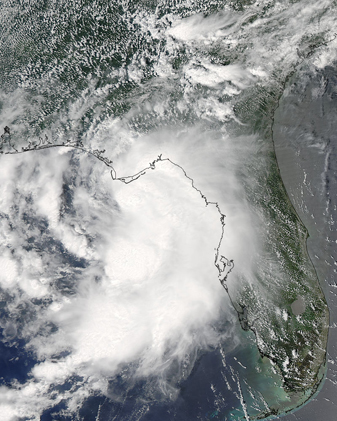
x=295, y=344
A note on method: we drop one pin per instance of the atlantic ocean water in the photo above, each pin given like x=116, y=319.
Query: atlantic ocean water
x=305, y=142
x=162, y=164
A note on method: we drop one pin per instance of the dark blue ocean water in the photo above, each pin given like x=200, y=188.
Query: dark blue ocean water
x=68, y=70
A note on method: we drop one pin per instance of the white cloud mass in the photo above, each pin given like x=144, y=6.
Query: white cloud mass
x=125, y=273
x=101, y=278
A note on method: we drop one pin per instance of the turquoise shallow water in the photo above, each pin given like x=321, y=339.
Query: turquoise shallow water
x=312, y=199
x=117, y=85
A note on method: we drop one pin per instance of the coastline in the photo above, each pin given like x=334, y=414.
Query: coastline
x=301, y=157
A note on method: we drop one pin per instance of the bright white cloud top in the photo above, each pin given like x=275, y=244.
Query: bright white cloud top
x=160, y=274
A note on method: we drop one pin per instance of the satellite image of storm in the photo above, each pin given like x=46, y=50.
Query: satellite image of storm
x=168, y=208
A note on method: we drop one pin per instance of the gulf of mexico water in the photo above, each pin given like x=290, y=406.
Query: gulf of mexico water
x=110, y=308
